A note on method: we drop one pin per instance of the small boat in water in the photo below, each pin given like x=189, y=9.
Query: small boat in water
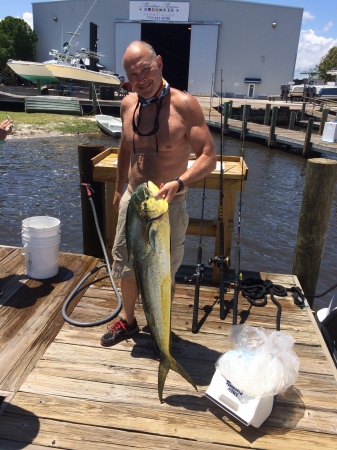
x=109, y=125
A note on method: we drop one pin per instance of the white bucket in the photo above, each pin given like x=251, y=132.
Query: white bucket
x=41, y=240
x=41, y=226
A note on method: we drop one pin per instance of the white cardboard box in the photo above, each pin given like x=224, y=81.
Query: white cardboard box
x=330, y=132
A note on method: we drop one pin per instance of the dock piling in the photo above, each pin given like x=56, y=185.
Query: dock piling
x=292, y=120
x=245, y=116
x=318, y=192
x=226, y=109
x=303, y=110
x=307, y=140
x=267, y=114
x=325, y=114
x=273, y=126
x=91, y=242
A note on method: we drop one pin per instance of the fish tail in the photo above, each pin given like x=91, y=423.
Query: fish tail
x=164, y=367
x=166, y=364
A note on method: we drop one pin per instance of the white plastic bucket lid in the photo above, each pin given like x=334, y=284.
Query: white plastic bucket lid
x=41, y=223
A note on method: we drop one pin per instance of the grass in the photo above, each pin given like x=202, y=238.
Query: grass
x=31, y=123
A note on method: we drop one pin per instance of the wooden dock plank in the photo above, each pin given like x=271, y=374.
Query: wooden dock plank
x=25, y=336
x=169, y=420
x=69, y=392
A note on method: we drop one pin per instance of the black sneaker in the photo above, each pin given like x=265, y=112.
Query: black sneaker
x=119, y=331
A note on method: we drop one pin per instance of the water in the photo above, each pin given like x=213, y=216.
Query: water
x=41, y=177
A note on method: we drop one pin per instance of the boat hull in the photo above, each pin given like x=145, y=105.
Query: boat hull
x=32, y=71
x=76, y=73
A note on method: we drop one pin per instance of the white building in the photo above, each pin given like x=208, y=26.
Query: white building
x=254, y=46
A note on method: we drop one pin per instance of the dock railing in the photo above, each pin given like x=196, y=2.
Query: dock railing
x=104, y=167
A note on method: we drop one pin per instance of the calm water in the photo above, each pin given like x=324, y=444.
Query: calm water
x=40, y=177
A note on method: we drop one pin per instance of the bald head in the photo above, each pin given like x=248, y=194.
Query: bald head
x=143, y=68
x=137, y=50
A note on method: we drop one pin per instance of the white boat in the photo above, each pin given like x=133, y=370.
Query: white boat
x=66, y=71
x=32, y=71
x=109, y=125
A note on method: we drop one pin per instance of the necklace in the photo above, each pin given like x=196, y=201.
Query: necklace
x=142, y=102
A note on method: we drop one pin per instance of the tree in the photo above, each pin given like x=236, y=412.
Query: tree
x=17, y=41
x=328, y=62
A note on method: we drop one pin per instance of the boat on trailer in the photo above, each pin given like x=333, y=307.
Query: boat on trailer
x=75, y=72
x=32, y=71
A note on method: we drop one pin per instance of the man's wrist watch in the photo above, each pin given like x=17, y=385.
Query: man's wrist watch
x=181, y=184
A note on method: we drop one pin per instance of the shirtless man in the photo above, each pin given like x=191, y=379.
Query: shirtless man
x=161, y=127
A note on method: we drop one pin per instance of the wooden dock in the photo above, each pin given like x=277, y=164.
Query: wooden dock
x=283, y=136
x=60, y=389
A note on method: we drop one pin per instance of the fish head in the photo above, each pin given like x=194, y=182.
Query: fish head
x=150, y=207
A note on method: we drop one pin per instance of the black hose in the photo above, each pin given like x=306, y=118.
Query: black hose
x=77, y=288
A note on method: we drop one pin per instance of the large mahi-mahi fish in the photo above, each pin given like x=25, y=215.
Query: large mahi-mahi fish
x=148, y=238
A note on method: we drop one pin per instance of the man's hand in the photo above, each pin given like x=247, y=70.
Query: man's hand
x=168, y=190
x=116, y=200
x=6, y=127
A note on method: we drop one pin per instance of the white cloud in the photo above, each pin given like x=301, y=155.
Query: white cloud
x=310, y=50
x=28, y=17
x=308, y=16
x=328, y=26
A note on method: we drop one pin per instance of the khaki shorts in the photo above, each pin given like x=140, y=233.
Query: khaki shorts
x=123, y=264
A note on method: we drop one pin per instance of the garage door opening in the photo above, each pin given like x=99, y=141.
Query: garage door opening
x=172, y=42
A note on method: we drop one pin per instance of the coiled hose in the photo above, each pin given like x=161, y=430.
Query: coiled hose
x=94, y=270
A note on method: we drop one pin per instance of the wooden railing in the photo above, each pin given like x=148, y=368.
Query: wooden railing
x=104, y=168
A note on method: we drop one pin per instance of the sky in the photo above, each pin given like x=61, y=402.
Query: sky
x=318, y=31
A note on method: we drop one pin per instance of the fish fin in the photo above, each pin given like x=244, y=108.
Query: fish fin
x=153, y=231
x=167, y=363
x=164, y=367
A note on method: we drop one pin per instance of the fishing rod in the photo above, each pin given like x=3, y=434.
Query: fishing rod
x=221, y=261
x=237, y=273
x=200, y=268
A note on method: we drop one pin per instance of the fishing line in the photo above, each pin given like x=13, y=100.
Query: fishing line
x=94, y=270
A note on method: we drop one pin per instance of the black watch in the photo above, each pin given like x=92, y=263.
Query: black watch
x=181, y=184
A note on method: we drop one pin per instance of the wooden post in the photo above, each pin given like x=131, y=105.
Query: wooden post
x=303, y=111
x=307, y=141
x=225, y=116
x=267, y=114
x=273, y=126
x=324, y=118
x=91, y=242
x=292, y=120
x=230, y=108
x=245, y=116
x=318, y=193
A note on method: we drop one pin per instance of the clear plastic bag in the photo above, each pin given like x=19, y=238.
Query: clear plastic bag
x=262, y=362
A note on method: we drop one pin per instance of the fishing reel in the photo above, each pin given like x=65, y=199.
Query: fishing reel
x=221, y=262
x=199, y=273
